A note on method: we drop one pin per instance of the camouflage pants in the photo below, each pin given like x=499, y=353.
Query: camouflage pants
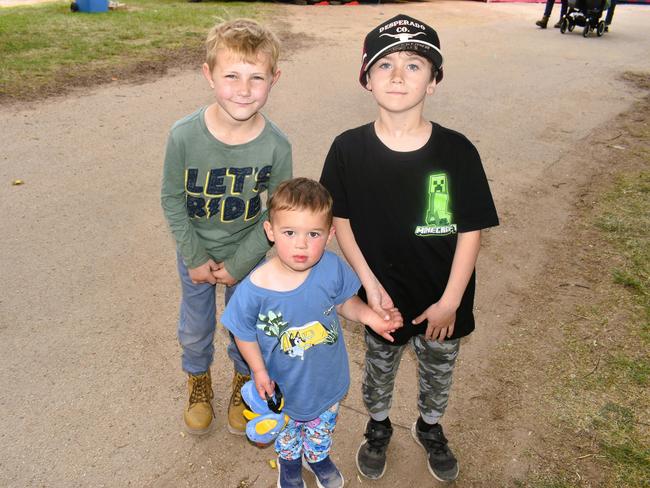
x=435, y=368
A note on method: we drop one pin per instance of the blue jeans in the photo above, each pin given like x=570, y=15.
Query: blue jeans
x=197, y=323
x=549, y=8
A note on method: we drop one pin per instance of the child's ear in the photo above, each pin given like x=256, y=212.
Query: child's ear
x=332, y=232
x=276, y=75
x=431, y=87
x=268, y=230
x=368, y=85
x=208, y=74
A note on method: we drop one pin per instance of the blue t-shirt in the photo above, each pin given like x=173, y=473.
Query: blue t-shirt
x=299, y=335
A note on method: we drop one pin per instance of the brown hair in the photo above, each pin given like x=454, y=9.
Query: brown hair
x=244, y=37
x=301, y=194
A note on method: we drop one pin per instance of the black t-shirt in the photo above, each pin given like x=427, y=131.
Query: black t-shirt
x=405, y=209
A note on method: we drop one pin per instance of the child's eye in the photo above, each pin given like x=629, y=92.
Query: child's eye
x=289, y=233
x=413, y=67
x=231, y=77
x=314, y=235
x=259, y=78
x=384, y=65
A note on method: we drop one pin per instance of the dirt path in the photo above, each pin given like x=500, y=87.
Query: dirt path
x=89, y=364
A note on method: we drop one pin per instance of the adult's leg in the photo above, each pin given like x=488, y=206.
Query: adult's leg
x=610, y=12
x=543, y=22
x=549, y=8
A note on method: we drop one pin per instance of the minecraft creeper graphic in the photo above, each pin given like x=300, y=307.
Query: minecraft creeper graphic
x=438, y=213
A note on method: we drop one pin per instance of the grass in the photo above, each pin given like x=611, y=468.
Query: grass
x=622, y=425
x=605, y=400
x=46, y=48
x=593, y=385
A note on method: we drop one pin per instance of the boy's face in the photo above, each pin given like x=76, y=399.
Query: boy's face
x=400, y=81
x=240, y=87
x=300, y=237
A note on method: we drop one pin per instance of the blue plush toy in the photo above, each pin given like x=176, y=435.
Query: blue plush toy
x=265, y=418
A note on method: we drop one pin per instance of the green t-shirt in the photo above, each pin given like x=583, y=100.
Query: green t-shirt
x=211, y=192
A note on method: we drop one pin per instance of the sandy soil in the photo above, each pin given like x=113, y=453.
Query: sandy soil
x=92, y=390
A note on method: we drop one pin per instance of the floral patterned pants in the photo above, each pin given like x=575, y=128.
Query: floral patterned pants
x=312, y=438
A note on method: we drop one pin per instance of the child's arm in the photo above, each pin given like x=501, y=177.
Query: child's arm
x=441, y=316
x=377, y=297
x=252, y=248
x=204, y=273
x=172, y=199
x=253, y=356
x=354, y=309
x=222, y=276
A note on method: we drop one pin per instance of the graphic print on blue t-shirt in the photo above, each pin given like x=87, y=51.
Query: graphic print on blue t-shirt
x=438, y=217
x=295, y=340
x=207, y=200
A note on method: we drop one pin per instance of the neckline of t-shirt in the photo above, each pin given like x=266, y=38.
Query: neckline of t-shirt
x=296, y=290
x=401, y=154
x=216, y=141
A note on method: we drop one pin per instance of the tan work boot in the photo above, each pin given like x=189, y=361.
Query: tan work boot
x=198, y=414
x=236, y=419
x=543, y=22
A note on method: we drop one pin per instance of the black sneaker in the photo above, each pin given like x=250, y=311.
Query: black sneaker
x=441, y=461
x=371, y=456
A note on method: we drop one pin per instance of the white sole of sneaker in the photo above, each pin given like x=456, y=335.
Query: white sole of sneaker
x=278, y=465
x=356, y=460
x=306, y=465
x=415, y=436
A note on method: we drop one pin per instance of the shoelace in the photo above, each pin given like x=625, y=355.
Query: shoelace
x=236, y=389
x=201, y=392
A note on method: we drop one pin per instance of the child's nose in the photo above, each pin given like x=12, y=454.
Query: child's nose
x=244, y=88
x=301, y=242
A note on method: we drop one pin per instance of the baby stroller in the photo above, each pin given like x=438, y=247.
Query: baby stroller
x=586, y=14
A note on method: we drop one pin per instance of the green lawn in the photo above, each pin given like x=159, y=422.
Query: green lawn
x=46, y=48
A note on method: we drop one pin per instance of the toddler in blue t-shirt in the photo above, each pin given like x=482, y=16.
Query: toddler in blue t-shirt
x=284, y=317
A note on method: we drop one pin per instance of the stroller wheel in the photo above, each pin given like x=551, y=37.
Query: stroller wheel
x=585, y=31
x=600, y=29
x=571, y=26
x=563, y=25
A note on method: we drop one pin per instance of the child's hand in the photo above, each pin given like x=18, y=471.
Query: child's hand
x=203, y=273
x=386, y=327
x=441, y=319
x=380, y=301
x=263, y=384
x=220, y=273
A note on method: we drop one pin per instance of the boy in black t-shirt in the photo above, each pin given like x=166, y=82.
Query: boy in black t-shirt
x=410, y=200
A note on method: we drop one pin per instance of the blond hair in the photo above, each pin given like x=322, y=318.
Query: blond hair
x=244, y=37
x=301, y=194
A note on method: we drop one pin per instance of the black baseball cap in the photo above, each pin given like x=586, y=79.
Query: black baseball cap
x=401, y=33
